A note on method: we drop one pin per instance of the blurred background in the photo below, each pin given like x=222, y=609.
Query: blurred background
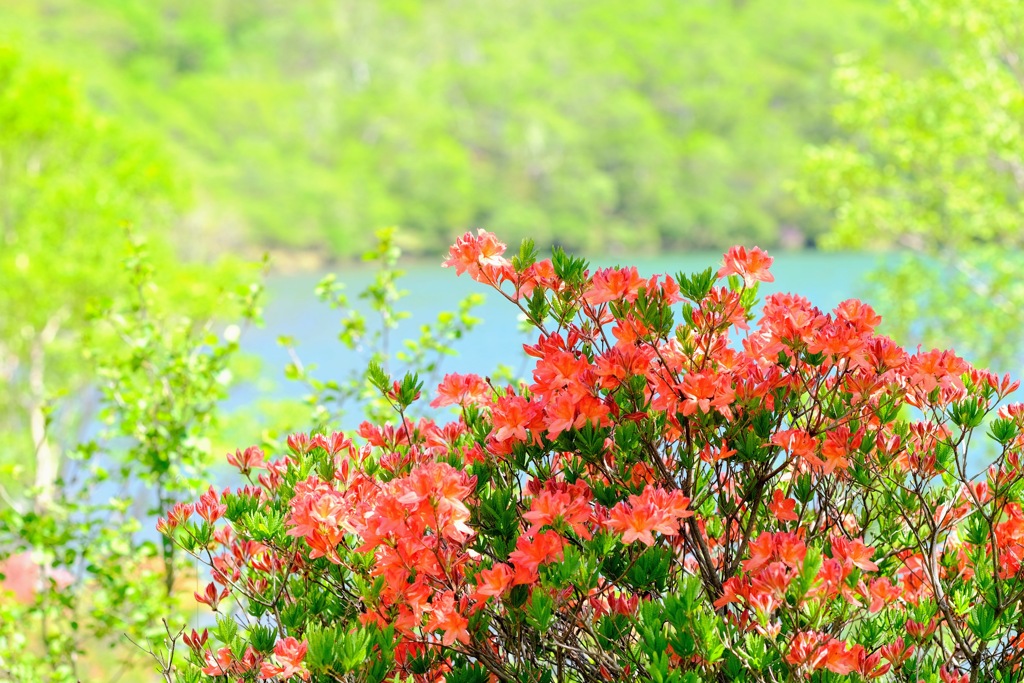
x=153, y=151
x=605, y=126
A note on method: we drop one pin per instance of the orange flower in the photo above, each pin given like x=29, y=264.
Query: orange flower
x=479, y=255
x=444, y=615
x=561, y=415
x=896, y=652
x=559, y=370
x=705, y=390
x=654, y=510
x=491, y=582
x=783, y=508
x=611, y=284
x=800, y=444
x=752, y=266
x=289, y=653
x=853, y=553
x=882, y=592
x=531, y=553
x=511, y=417
x=786, y=548
x=761, y=551
x=549, y=508
x=461, y=390
x=837, y=446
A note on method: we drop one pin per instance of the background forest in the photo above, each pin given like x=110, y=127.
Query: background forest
x=305, y=125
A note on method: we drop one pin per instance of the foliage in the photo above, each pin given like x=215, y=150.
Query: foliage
x=678, y=496
x=88, y=579
x=370, y=338
x=668, y=125
x=84, y=579
x=96, y=328
x=932, y=160
x=69, y=181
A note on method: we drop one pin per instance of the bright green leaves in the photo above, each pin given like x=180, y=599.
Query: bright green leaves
x=577, y=569
x=697, y=286
x=652, y=311
x=975, y=530
x=655, y=642
x=159, y=367
x=694, y=630
x=262, y=638
x=808, y=572
x=540, y=611
x=526, y=257
x=71, y=182
x=537, y=306
x=378, y=378
x=650, y=571
x=543, y=136
x=919, y=163
x=469, y=674
x=572, y=271
x=587, y=441
x=338, y=651
x=497, y=516
x=982, y=622
x=750, y=445
x=569, y=269
x=968, y=413
x=1003, y=431
x=226, y=631
x=889, y=407
x=266, y=525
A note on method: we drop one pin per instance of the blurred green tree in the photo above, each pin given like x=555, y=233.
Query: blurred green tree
x=931, y=160
x=110, y=375
x=69, y=183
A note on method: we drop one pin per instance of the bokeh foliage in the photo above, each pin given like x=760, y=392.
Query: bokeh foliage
x=599, y=125
x=70, y=181
x=931, y=160
x=111, y=369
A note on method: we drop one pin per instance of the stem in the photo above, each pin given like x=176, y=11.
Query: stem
x=47, y=457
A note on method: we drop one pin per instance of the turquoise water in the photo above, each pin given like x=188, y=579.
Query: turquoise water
x=293, y=309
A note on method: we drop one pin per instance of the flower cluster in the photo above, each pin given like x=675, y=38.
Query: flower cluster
x=677, y=494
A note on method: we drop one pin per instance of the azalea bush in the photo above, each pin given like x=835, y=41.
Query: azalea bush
x=677, y=494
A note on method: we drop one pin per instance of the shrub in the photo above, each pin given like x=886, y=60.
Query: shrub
x=676, y=496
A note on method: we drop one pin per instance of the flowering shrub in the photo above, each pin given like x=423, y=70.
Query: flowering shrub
x=677, y=496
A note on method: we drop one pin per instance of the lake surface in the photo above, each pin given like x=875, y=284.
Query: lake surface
x=292, y=309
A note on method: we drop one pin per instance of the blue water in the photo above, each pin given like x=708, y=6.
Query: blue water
x=292, y=309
